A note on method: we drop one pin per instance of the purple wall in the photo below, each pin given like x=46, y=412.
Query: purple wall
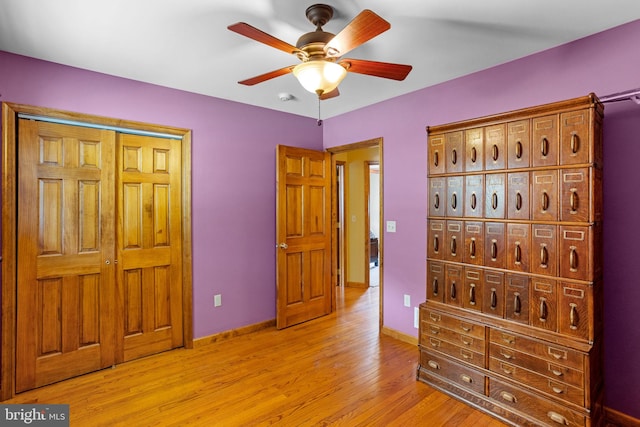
x=234, y=169
x=233, y=175
x=604, y=63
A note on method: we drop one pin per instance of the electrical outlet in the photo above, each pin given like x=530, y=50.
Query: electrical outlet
x=391, y=226
x=416, y=317
x=407, y=300
x=217, y=300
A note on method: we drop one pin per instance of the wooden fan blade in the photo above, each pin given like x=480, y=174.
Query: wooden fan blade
x=330, y=95
x=386, y=70
x=361, y=29
x=247, y=30
x=267, y=76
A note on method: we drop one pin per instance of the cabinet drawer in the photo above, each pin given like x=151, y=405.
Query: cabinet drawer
x=453, y=285
x=544, y=249
x=474, y=243
x=437, y=196
x=459, y=325
x=544, y=144
x=493, y=294
x=454, y=146
x=455, y=351
x=575, y=138
x=546, y=411
x=556, y=354
x=452, y=337
x=474, y=196
x=436, y=155
x=517, y=298
x=576, y=253
x=575, y=310
x=436, y=238
x=518, y=144
x=455, y=242
x=435, y=281
x=495, y=147
x=455, y=198
x=574, y=195
x=460, y=375
x=518, y=195
x=494, y=244
x=537, y=380
x=473, y=288
x=494, y=195
x=474, y=150
x=543, y=311
x=518, y=247
x=544, y=202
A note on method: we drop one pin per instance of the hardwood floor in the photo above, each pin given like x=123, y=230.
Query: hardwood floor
x=336, y=370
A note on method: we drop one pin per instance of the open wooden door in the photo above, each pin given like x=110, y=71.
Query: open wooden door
x=303, y=233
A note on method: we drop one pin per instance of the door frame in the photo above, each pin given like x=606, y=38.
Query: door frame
x=10, y=113
x=375, y=142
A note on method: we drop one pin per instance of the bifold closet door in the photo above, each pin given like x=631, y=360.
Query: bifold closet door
x=65, y=282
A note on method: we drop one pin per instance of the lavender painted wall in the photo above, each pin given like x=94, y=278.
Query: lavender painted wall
x=233, y=175
x=604, y=63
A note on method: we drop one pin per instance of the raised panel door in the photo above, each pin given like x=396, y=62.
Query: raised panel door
x=65, y=277
x=495, y=147
x=474, y=150
x=544, y=144
x=474, y=196
x=575, y=138
x=518, y=144
x=149, y=245
x=436, y=155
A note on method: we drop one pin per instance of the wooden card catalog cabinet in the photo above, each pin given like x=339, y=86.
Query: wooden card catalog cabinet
x=512, y=321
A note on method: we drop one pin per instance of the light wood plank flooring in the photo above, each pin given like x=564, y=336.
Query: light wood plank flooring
x=336, y=370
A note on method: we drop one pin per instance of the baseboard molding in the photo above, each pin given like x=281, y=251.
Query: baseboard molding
x=199, y=342
x=400, y=336
x=618, y=419
x=356, y=285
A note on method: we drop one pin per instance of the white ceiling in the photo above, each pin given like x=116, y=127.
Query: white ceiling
x=185, y=44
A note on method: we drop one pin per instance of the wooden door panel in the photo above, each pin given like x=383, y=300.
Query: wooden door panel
x=303, y=230
x=65, y=285
x=149, y=246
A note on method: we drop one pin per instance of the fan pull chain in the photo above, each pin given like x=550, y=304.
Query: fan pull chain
x=319, y=119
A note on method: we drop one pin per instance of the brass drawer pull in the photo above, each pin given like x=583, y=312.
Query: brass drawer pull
x=472, y=294
x=557, y=354
x=454, y=201
x=494, y=250
x=434, y=343
x=544, y=147
x=494, y=152
x=555, y=417
x=452, y=295
x=557, y=390
x=518, y=150
x=545, y=201
x=518, y=254
x=573, y=317
x=453, y=246
x=466, y=378
x=436, y=160
x=466, y=355
x=433, y=364
x=518, y=201
x=465, y=328
x=555, y=370
x=573, y=259
x=517, y=305
x=543, y=310
x=434, y=330
x=454, y=157
x=506, y=369
x=436, y=244
x=506, y=355
x=508, y=397
x=575, y=143
x=494, y=201
x=436, y=201
x=434, y=317
x=544, y=257
x=509, y=339
x=472, y=248
x=573, y=201
x=435, y=287
x=474, y=155
x=494, y=299
x=466, y=341
x=473, y=201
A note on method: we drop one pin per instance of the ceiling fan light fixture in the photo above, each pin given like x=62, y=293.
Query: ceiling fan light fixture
x=319, y=76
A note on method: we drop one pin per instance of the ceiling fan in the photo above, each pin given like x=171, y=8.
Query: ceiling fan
x=323, y=67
